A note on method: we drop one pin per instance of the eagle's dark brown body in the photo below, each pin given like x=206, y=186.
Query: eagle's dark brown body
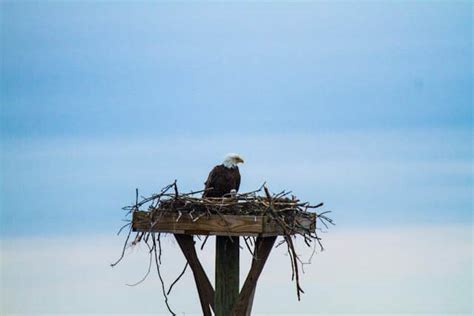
x=221, y=181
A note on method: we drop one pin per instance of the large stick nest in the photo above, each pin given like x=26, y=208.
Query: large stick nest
x=283, y=207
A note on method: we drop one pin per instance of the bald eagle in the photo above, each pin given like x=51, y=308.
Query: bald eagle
x=224, y=178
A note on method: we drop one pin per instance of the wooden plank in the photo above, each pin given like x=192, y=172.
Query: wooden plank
x=272, y=228
x=233, y=234
x=204, y=287
x=227, y=274
x=263, y=247
x=172, y=222
x=225, y=225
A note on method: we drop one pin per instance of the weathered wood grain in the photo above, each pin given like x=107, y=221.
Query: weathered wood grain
x=225, y=225
x=204, y=287
x=272, y=228
x=263, y=247
x=227, y=274
x=171, y=222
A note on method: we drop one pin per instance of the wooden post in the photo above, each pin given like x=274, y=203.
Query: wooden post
x=227, y=274
x=225, y=300
x=263, y=247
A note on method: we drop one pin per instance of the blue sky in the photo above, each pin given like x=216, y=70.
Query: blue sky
x=153, y=69
x=364, y=85
x=366, y=106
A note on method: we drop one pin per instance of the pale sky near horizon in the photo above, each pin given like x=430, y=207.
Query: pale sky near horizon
x=365, y=106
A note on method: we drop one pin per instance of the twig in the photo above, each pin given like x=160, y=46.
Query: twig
x=123, y=249
x=204, y=242
x=159, y=247
x=148, y=271
x=289, y=213
x=121, y=228
x=177, y=279
x=161, y=278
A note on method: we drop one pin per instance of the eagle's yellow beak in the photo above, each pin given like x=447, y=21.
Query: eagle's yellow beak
x=240, y=160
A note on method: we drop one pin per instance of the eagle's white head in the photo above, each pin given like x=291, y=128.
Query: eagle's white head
x=232, y=160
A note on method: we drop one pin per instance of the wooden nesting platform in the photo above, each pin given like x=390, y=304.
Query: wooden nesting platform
x=219, y=225
x=257, y=216
x=226, y=298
